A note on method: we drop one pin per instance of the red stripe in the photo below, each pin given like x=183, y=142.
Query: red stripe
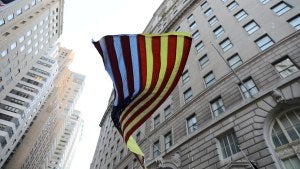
x=125, y=43
x=142, y=60
x=114, y=66
x=171, y=57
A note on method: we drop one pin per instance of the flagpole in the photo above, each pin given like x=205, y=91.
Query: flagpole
x=233, y=71
x=251, y=164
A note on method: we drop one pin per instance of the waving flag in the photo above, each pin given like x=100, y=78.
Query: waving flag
x=144, y=69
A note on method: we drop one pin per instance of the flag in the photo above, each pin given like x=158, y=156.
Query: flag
x=144, y=68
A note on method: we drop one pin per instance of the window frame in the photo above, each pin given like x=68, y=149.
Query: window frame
x=226, y=44
x=235, y=64
x=251, y=27
x=240, y=15
x=203, y=64
x=194, y=125
x=220, y=106
x=210, y=81
x=264, y=46
x=280, y=11
x=190, y=96
x=286, y=58
x=297, y=21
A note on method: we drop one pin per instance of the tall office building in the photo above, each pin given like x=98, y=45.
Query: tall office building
x=35, y=109
x=237, y=103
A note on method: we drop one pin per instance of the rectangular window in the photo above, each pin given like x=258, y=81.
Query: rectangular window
x=196, y=35
x=21, y=94
x=218, y=31
x=285, y=67
x=232, y=6
x=234, y=61
x=167, y=111
x=217, y=106
x=226, y=44
x=168, y=140
x=185, y=77
x=240, y=15
x=2, y=22
x=281, y=8
x=21, y=39
x=10, y=17
x=208, y=12
x=193, y=25
x=248, y=88
x=203, y=61
x=291, y=162
x=12, y=109
x=156, y=149
x=264, y=42
x=19, y=11
x=24, y=79
x=188, y=95
x=204, y=5
x=199, y=47
x=295, y=22
x=264, y=1
x=13, y=46
x=228, y=144
x=190, y=18
x=156, y=120
x=10, y=118
x=213, y=21
x=16, y=101
x=40, y=71
x=209, y=79
x=4, y=52
x=251, y=27
x=191, y=123
x=27, y=88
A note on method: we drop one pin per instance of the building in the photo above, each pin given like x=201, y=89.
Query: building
x=35, y=84
x=237, y=103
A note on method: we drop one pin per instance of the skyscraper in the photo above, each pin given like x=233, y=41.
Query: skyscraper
x=33, y=79
x=237, y=103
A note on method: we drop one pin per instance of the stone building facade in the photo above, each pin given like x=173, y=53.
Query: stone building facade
x=237, y=103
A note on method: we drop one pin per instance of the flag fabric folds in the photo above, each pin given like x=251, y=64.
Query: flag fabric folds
x=144, y=69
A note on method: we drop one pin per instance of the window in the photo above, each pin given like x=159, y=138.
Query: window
x=156, y=120
x=228, y=144
x=286, y=128
x=2, y=22
x=217, y=106
x=285, y=67
x=281, y=8
x=188, y=95
x=295, y=22
x=193, y=25
x=199, y=46
x=203, y=61
x=4, y=52
x=10, y=17
x=191, y=123
x=208, y=12
x=21, y=39
x=28, y=33
x=264, y=1
x=196, y=35
x=232, y=6
x=291, y=162
x=156, y=149
x=240, y=15
x=204, y=5
x=209, y=79
x=248, y=88
x=218, y=31
x=121, y=154
x=33, y=3
x=190, y=18
x=177, y=29
x=213, y=21
x=226, y=44
x=251, y=27
x=19, y=11
x=234, y=61
x=167, y=111
x=185, y=77
x=168, y=140
x=264, y=42
x=138, y=136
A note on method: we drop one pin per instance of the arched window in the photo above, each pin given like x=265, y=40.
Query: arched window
x=285, y=136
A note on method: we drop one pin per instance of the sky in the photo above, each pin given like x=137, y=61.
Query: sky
x=92, y=19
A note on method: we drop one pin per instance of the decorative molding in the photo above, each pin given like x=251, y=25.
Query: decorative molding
x=173, y=162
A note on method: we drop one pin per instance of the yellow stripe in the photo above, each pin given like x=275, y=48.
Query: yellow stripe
x=179, y=50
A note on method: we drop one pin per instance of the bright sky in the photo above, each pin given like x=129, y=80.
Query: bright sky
x=92, y=19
